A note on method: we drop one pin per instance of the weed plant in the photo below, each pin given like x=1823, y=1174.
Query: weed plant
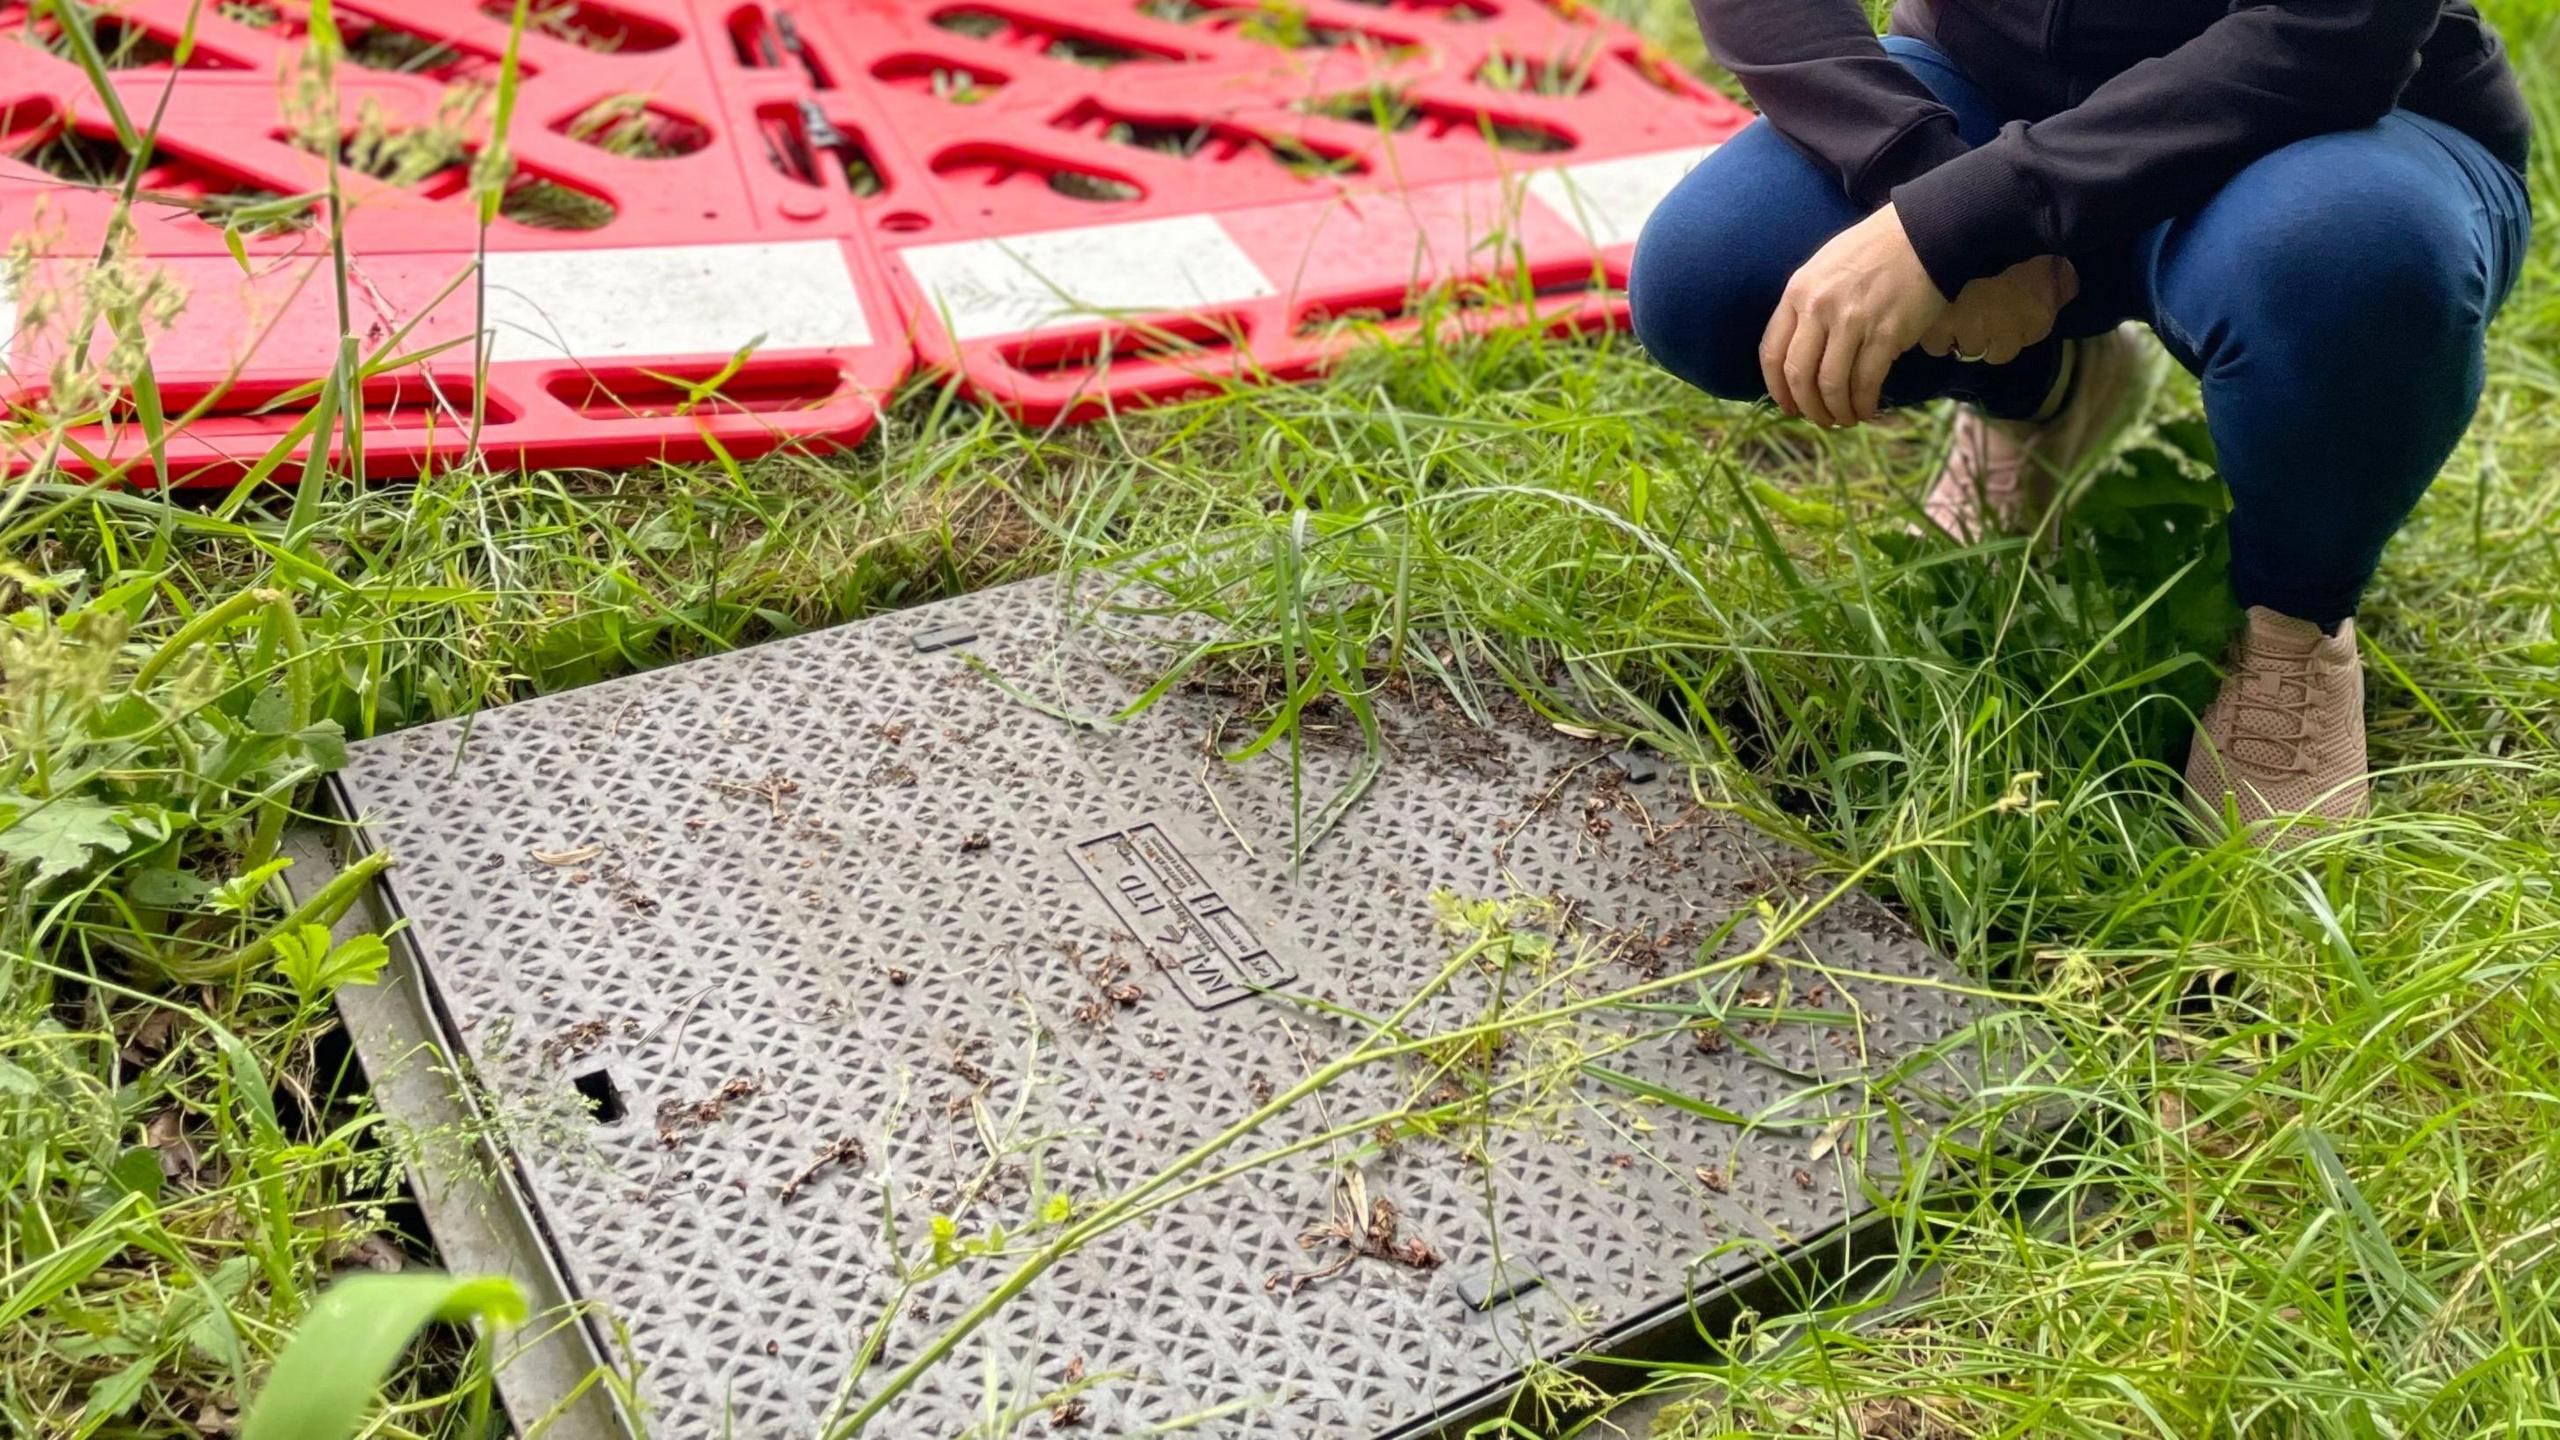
x=2315, y=1193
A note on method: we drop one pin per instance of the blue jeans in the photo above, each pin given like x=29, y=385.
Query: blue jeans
x=2332, y=299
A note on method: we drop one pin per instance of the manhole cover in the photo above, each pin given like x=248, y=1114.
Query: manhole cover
x=813, y=990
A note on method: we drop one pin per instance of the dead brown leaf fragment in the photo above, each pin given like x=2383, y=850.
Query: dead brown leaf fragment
x=775, y=790
x=166, y=1133
x=680, y=1120
x=846, y=1150
x=1367, y=1229
x=575, y=1040
x=151, y=1039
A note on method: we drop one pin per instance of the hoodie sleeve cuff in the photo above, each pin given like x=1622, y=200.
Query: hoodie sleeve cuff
x=1973, y=216
x=1922, y=146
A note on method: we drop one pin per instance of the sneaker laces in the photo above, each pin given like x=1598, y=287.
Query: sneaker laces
x=2272, y=687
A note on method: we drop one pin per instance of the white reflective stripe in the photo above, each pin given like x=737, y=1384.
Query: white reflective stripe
x=671, y=300
x=1019, y=283
x=1608, y=200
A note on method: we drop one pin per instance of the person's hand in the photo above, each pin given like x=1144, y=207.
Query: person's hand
x=1848, y=314
x=1999, y=315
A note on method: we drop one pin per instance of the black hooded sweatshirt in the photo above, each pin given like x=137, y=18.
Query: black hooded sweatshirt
x=2132, y=110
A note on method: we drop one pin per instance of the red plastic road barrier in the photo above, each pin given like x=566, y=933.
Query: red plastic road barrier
x=644, y=242
x=1078, y=205
x=1110, y=202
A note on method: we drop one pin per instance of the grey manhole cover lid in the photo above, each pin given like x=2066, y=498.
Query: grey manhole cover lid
x=887, y=967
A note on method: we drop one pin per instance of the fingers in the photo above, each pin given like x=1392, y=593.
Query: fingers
x=1992, y=338
x=2066, y=281
x=1803, y=368
x=1832, y=376
x=1773, y=355
x=1996, y=318
x=1875, y=360
x=1837, y=376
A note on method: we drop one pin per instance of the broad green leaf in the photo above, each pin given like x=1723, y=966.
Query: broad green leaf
x=324, y=743
x=115, y=1395
x=213, y=1335
x=58, y=837
x=302, y=947
x=137, y=1172
x=166, y=888
x=324, y=1382
x=271, y=713
x=314, y=967
x=238, y=893
x=124, y=716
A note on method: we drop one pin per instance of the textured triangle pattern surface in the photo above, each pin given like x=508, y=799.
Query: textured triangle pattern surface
x=827, y=890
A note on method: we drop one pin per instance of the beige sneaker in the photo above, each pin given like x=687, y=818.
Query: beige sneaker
x=2284, y=739
x=2013, y=470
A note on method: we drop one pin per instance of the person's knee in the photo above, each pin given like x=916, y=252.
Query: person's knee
x=2381, y=265
x=1701, y=294
x=2394, y=270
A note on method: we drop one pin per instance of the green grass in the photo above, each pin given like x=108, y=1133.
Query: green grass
x=2322, y=1196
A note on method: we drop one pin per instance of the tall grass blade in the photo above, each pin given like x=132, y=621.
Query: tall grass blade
x=324, y=1382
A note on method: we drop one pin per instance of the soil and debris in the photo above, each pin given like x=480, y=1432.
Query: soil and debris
x=1107, y=972
x=963, y=1063
x=679, y=1120
x=775, y=790
x=844, y=1150
x=626, y=890
x=1649, y=952
x=583, y=1037
x=1365, y=1229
